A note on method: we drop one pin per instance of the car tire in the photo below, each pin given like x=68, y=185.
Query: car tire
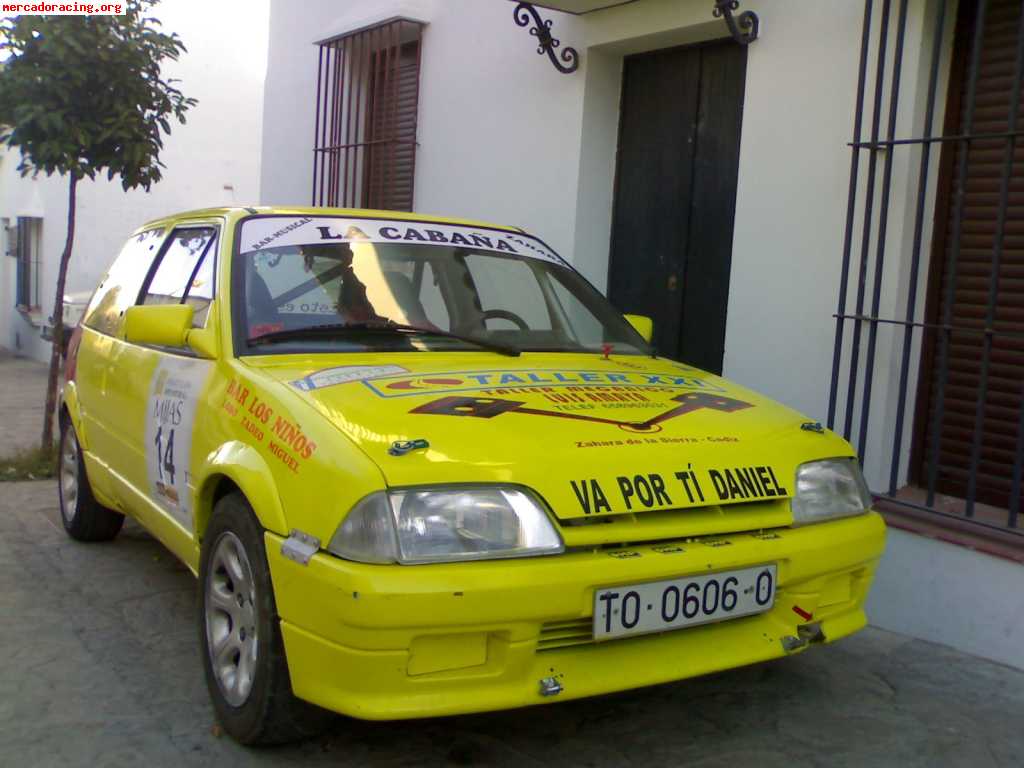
x=240, y=634
x=84, y=518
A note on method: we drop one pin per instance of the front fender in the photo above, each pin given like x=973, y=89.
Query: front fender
x=243, y=466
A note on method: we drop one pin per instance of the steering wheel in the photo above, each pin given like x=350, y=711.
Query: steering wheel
x=504, y=314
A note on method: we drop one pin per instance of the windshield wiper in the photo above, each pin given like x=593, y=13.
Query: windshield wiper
x=335, y=329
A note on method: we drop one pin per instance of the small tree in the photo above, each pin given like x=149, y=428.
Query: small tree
x=80, y=96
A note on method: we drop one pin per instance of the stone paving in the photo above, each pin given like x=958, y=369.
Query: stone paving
x=101, y=668
x=22, y=397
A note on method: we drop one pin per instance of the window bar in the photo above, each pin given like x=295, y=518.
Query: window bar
x=933, y=139
x=319, y=169
x=868, y=215
x=390, y=89
x=954, y=254
x=333, y=134
x=377, y=132
x=365, y=64
x=352, y=80
x=993, y=286
x=316, y=122
x=330, y=132
x=395, y=73
x=367, y=127
x=1014, y=508
x=358, y=122
x=851, y=204
x=327, y=131
x=883, y=225
x=373, y=194
x=915, y=260
x=340, y=91
x=415, y=127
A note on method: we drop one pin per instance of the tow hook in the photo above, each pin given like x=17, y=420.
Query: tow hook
x=549, y=686
x=790, y=643
x=812, y=633
x=806, y=634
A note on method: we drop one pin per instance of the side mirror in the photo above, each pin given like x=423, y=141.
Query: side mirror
x=162, y=325
x=642, y=325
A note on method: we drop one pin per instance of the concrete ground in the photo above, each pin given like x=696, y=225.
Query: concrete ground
x=22, y=397
x=100, y=667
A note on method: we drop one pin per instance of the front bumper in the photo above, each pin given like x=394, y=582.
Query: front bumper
x=388, y=642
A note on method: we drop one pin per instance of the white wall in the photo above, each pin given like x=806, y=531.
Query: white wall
x=504, y=137
x=218, y=147
x=951, y=595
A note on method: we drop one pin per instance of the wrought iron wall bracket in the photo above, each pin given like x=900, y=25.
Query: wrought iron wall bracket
x=525, y=14
x=744, y=27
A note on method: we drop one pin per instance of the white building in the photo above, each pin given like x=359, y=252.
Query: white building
x=211, y=160
x=707, y=183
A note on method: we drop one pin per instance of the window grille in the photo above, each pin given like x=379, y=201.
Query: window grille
x=966, y=338
x=27, y=253
x=364, y=152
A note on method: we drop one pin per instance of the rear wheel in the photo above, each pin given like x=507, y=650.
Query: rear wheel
x=243, y=653
x=84, y=518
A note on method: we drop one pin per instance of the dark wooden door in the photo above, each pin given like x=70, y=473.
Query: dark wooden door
x=675, y=195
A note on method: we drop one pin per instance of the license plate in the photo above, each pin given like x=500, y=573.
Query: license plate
x=659, y=606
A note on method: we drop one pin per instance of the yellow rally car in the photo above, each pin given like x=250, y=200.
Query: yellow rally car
x=422, y=467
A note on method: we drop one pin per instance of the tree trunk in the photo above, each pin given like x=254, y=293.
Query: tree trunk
x=58, y=322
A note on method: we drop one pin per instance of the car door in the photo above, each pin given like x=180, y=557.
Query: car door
x=102, y=329
x=155, y=392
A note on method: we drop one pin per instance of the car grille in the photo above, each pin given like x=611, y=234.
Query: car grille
x=561, y=634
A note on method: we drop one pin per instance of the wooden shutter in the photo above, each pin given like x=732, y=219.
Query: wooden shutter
x=964, y=290
x=366, y=113
x=394, y=104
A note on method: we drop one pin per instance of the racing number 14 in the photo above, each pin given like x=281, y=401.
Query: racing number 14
x=165, y=458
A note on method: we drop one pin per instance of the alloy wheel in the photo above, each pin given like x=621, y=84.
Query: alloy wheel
x=231, y=620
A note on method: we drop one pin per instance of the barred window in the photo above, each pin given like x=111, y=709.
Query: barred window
x=28, y=239
x=364, y=153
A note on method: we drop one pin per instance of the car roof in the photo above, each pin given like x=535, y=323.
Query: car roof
x=239, y=212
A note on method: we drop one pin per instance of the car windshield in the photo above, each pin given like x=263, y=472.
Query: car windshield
x=334, y=284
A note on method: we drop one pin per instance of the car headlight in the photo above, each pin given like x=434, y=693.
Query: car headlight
x=437, y=525
x=829, y=489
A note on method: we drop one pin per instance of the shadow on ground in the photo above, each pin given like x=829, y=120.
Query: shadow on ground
x=101, y=668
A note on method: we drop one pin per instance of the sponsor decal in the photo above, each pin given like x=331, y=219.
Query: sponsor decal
x=271, y=237
x=282, y=232
x=687, y=487
x=660, y=439
x=282, y=437
x=489, y=408
x=174, y=394
x=344, y=374
x=544, y=379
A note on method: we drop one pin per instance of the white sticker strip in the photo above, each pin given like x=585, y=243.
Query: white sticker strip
x=344, y=374
x=174, y=394
x=281, y=231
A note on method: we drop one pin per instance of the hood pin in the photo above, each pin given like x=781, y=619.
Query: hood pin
x=813, y=426
x=402, y=447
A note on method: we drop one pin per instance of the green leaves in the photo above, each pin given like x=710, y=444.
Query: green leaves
x=84, y=95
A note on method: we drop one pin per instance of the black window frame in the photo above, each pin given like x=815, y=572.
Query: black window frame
x=213, y=244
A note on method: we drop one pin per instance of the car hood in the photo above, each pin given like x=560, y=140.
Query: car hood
x=591, y=435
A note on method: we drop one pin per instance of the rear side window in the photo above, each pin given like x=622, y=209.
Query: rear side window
x=185, y=272
x=120, y=288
